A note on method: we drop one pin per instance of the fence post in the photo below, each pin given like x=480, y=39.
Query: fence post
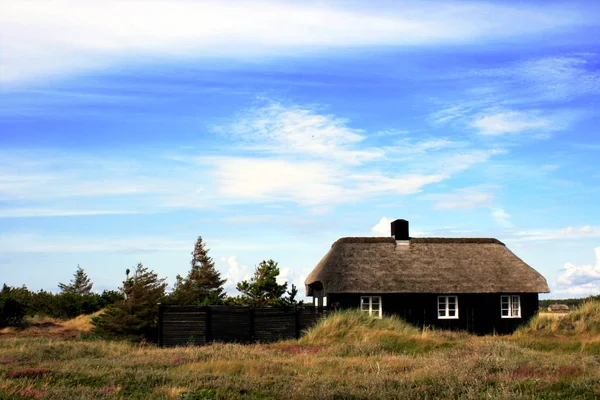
x=208, y=325
x=160, y=325
x=297, y=322
x=252, y=327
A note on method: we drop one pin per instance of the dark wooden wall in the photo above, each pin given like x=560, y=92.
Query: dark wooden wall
x=197, y=325
x=478, y=313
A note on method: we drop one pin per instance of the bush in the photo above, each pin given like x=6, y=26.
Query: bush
x=136, y=316
x=17, y=301
x=12, y=308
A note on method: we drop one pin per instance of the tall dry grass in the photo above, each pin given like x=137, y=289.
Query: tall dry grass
x=584, y=320
x=346, y=356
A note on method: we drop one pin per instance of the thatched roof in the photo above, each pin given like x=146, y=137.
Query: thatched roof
x=424, y=265
x=558, y=307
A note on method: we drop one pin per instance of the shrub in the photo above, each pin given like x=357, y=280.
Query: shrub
x=135, y=317
x=12, y=309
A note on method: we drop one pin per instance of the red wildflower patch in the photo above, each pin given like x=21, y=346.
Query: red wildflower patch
x=569, y=371
x=110, y=389
x=28, y=373
x=529, y=371
x=30, y=393
x=526, y=371
x=299, y=349
x=177, y=361
x=9, y=360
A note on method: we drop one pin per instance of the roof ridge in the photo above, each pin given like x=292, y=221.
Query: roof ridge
x=421, y=240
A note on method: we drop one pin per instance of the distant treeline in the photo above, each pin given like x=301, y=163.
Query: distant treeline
x=132, y=311
x=572, y=303
x=18, y=302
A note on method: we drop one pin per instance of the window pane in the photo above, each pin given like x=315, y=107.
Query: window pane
x=364, y=300
x=442, y=313
x=451, y=299
x=442, y=301
x=365, y=307
x=375, y=300
x=505, y=313
x=451, y=313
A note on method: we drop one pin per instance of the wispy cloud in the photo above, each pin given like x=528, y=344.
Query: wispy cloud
x=465, y=198
x=273, y=153
x=569, y=232
x=501, y=217
x=49, y=212
x=557, y=78
x=70, y=37
x=522, y=97
x=35, y=243
x=512, y=122
x=300, y=130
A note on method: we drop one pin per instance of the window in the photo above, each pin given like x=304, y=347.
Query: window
x=447, y=307
x=510, y=306
x=371, y=305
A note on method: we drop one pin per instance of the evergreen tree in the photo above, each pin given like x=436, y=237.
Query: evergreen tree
x=137, y=315
x=80, y=284
x=203, y=283
x=262, y=289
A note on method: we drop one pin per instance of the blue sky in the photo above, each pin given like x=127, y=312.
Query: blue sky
x=274, y=128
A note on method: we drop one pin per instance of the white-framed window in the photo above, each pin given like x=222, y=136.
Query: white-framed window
x=371, y=305
x=448, y=307
x=510, y=306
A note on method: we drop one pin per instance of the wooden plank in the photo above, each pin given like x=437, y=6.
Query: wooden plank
x=182, y=325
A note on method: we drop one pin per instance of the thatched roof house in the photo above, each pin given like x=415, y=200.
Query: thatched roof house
x=401, y=265
x=423, y=265
x=558, y=308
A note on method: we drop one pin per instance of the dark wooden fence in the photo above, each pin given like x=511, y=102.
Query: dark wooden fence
x=198, y=325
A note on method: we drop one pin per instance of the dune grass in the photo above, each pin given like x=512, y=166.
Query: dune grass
x=345, y=356
x=584, y=320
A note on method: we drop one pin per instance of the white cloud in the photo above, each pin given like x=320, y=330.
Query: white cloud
x=300, y=130
x=43, y=212
x=501, y=217
x=581, y=279
x=513, y=122
x=307, y=183
x=270, y=154
x=60, y=37
x=569, y=232
x=34, y=243
x=552, y=78
x=466, y=198
x=383, y=227
x=511, y=99
x=235, y=273
x=252, y=179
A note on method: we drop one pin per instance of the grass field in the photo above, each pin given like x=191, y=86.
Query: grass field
x=346, y=356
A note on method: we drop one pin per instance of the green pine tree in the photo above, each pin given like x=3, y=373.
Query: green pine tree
x=80, y=284
x=262, y=289
x=203, y=284
x=136, y=316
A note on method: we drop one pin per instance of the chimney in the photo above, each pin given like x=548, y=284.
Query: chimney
x=400, y=229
